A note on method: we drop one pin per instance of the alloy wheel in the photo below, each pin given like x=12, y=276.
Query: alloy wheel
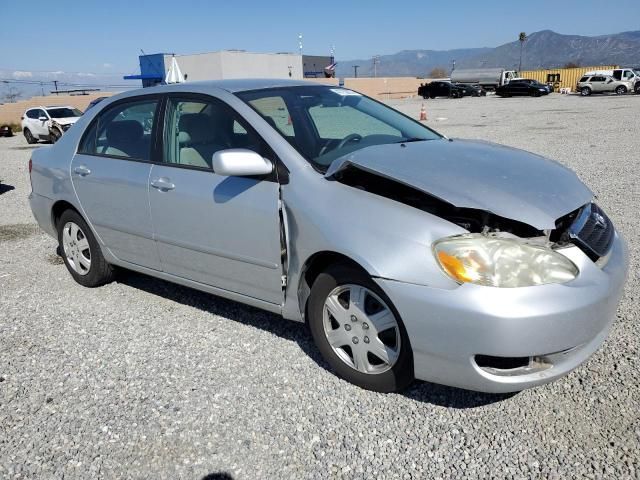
x=76, y=248
x=361, y=329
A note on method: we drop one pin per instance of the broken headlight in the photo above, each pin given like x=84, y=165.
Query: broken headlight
x=501, y=262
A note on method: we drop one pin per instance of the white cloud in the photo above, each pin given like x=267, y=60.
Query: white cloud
x=83, y=74
x=107, y=65
x=22, y=74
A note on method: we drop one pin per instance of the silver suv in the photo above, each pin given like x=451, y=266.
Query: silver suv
x=602, y=84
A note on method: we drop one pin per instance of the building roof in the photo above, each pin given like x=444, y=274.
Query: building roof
x=243, y=84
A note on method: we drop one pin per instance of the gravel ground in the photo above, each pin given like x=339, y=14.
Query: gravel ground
x=145, y=379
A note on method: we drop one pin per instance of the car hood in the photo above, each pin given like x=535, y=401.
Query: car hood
x=502, y=180
x=66, y=120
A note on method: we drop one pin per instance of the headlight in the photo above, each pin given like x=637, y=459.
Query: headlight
x=542, y=89
x=501, y=262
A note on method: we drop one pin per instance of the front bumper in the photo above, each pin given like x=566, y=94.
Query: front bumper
x=558, y=326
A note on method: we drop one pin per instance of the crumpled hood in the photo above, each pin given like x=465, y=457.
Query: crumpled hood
x=66, y=120
x=506, y=181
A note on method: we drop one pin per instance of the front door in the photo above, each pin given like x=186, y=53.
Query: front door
x=212, y=229
x=110, y=174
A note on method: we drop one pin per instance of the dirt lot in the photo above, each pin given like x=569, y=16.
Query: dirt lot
x=145, y=379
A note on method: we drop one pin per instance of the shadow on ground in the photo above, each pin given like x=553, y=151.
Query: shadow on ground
x=5, y=187
x=218, y=476
x=297, y=332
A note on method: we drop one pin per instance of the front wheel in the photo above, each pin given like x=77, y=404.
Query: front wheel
x=621, y=90
x=29, y=137
x=358, y=331
x=54, y=135
x=81, y=251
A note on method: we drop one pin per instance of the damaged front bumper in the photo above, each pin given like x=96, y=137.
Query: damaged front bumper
x=508, y=339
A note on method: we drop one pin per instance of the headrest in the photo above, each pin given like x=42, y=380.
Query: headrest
x=124, y=132
x=198, y=126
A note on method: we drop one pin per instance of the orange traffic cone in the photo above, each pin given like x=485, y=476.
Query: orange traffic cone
x=423, y=114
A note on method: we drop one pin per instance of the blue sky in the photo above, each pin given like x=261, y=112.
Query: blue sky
x=105, y=37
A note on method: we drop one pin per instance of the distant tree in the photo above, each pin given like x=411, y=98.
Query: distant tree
x=438, y=72
x=521, y=38
x=571, y=65
x=12, y=95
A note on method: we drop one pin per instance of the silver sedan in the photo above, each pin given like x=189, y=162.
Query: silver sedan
x=409, y=255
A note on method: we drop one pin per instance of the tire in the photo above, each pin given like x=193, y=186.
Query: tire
x=71, y=245
x=621, y=90
x=355, y=346
x=54, y=135
x=636, y=88
x=29, y=137
x=585, y=91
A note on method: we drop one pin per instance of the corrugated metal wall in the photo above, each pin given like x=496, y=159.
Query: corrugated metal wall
x=562, y=77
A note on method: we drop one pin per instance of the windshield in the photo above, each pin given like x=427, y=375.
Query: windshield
x=324, y=123
x=63, y=112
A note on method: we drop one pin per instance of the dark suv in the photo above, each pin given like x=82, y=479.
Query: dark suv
x=440, y=89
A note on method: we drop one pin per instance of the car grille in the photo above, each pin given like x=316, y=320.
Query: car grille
x=592, y=231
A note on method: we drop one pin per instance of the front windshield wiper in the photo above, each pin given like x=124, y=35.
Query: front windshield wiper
x=411, y=139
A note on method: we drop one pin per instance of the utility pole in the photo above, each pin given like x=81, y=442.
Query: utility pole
x=376, y=61
x=453, y=65
x=55, y=82
x=355, y=70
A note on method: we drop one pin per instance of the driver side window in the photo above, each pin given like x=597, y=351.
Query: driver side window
x=196, y=129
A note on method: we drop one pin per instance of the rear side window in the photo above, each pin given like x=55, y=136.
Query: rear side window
x=124, y=130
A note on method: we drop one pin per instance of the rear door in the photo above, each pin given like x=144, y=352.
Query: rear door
x=110, y=174
x=213, y=229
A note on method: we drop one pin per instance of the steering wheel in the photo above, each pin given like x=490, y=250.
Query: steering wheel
x=352, y=137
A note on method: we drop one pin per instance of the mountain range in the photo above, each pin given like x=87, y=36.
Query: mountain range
x=544, y=49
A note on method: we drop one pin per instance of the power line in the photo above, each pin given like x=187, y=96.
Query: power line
x=63, y=84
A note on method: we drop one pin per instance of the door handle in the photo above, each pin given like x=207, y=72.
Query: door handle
x=82, y=170
x=163, y=184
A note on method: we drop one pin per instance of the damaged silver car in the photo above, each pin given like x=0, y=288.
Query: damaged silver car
x=409, y=255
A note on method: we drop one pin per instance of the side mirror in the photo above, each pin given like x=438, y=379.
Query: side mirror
x=43, y=119
x=240, y=162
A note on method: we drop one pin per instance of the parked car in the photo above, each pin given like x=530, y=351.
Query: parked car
x=94, y=102
x=440, y=89
x=469, y=90
x=6, y=131
x=409, y=255
x=48, y=123
x=523, y=86
x=602, y=84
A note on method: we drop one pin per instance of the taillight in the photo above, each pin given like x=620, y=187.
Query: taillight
x=30, y=168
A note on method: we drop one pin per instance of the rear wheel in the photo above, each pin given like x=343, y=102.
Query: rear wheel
x=81, y=251
x=621, y=90
x=585, y=91
x=637, y=87
x=29, y=136
x=358, y=331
